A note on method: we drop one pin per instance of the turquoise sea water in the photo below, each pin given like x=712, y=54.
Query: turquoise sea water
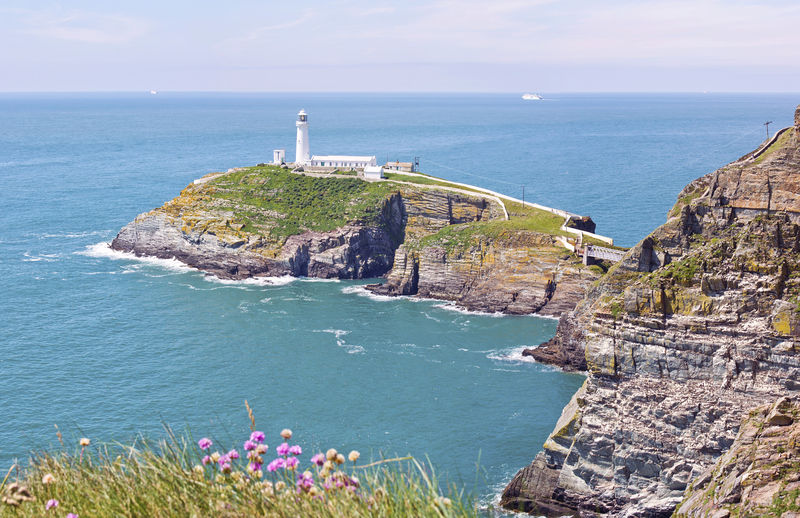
x=108, y=347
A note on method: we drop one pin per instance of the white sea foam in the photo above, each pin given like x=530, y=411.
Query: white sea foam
x=513, y=354
x=451, y=306
x=104, y=250
x=338, y=333
x=73, y=235
x=254, y=281
x=340, y=341
x=316, y=279
x=361, y=291
x=47, y=258
x=426, y=315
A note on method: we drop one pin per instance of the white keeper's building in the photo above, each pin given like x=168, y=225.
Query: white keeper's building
x=303, y=155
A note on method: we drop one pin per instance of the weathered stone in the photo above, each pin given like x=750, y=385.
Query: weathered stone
x=519, y=273
x=696, y=325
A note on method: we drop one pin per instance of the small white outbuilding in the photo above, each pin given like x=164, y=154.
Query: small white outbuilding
x=373, y=172
x=279, y=156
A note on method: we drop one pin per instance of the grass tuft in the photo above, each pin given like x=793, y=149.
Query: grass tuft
x=175, y=478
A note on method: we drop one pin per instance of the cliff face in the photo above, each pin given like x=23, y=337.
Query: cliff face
x=760, y=473
x=518, y=273
x=268, y=222
x=694, y=327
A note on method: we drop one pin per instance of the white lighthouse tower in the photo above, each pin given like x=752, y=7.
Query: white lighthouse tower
x=302, y=155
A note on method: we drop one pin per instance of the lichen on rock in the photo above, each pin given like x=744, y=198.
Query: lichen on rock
x=265, y=221
x=697, y=324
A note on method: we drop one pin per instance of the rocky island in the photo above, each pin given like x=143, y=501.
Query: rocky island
x=691, y=347
x=431, y=237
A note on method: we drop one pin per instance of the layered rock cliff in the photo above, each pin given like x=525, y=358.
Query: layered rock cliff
x=517, y=272
x=695, y=327
x=759, y=475
x=436, y=241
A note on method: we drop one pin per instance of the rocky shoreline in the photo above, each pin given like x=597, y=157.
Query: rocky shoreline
x=515, y=271
x=682, y=340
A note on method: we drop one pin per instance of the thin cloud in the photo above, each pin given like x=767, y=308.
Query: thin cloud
x=374, y=11
x=261, y=31
x=83, y=27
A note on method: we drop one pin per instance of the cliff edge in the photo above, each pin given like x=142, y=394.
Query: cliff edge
x=696, y=326
x=433, y=239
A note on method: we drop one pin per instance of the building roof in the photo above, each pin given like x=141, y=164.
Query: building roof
x=343, y=158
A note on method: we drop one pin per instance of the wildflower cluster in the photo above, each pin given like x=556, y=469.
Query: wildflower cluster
x=246, y=481
x=324, y=475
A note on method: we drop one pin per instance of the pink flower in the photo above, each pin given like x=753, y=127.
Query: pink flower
x=283, y=449
x=204, y=443
x=318, y=459
x=305, y=481
x=292, y=462
x=296, y=450
x=273, y=466
x=257, y=436
x=51, y=504
x=249, y=445
x=72, y=515
x=224, y=459
x=206, y=460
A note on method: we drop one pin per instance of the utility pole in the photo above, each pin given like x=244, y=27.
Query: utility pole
x=767, y=125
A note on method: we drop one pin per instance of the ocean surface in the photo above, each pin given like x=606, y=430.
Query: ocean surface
x=108, y=347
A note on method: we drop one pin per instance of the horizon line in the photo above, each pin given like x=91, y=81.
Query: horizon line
x=456, y=92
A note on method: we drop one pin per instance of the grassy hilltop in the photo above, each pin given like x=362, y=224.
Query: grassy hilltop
x=277, y=204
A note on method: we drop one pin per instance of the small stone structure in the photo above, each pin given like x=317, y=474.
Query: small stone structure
x=373, y=172
x=278, y=156
x=406, y=167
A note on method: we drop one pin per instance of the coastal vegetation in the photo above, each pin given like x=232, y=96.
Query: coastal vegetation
x=177, y=477
x=526, y=219
x=424, y=179
x=278, y=203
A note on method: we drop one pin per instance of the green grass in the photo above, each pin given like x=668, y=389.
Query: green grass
x=430, y=180
x=280, y=203
x=167, y=479
x=683, y=201
x=525, y=218
x=782, y=142
x=682, y=271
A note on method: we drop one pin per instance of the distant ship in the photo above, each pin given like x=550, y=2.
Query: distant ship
x=153, y=92
x=532, y=97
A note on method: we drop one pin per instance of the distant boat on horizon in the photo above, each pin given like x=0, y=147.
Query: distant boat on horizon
x=153, y=92
x=532, y=97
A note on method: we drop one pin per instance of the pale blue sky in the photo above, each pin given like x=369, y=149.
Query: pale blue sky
x=375, y=45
